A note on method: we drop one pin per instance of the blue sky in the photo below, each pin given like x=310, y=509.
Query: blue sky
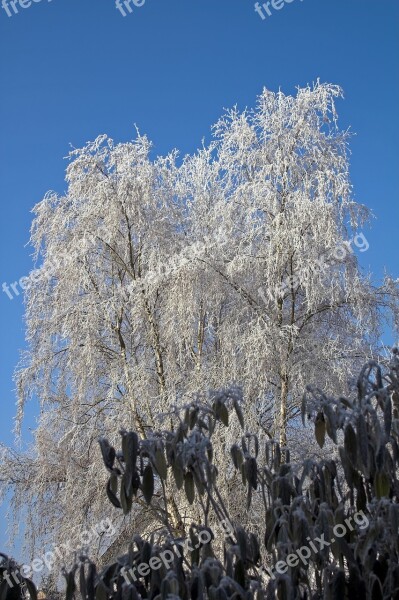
x=73, y=69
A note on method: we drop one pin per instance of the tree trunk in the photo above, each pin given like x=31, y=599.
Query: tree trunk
x=176, y=520
x=157, y=348
x=283, y=415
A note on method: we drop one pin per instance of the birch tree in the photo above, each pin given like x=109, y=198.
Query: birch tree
x=160, y=279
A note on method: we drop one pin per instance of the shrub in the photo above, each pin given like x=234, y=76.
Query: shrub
x=330, y=526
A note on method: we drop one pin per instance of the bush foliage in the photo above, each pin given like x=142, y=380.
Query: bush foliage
x=300, y=502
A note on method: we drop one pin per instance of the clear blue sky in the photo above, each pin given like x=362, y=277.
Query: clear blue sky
x=73, y=69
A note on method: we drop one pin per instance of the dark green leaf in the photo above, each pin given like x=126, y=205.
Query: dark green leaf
x=178, y=475
x=320, y=429
x=388, y=416
x=71, y=586
x=382, y=485
x=112, y=488
x=31, y=589
x=236, y=455
x=82, y=582
x=242, y=542
x=147, y=485
x=251, y=472
x=223, y=414
x=90, y=582
x=125, y=499
x=160, y=463
x=198, y=484
x=108, y=453
x=189, y=486
x=193, y=417
x=101, y=591
x=239, y=414
x=239, y=573
x=350, y=444
x=362, y=439
x=130, y=443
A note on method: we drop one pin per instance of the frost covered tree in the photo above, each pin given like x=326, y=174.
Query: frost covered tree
x=158, y=278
